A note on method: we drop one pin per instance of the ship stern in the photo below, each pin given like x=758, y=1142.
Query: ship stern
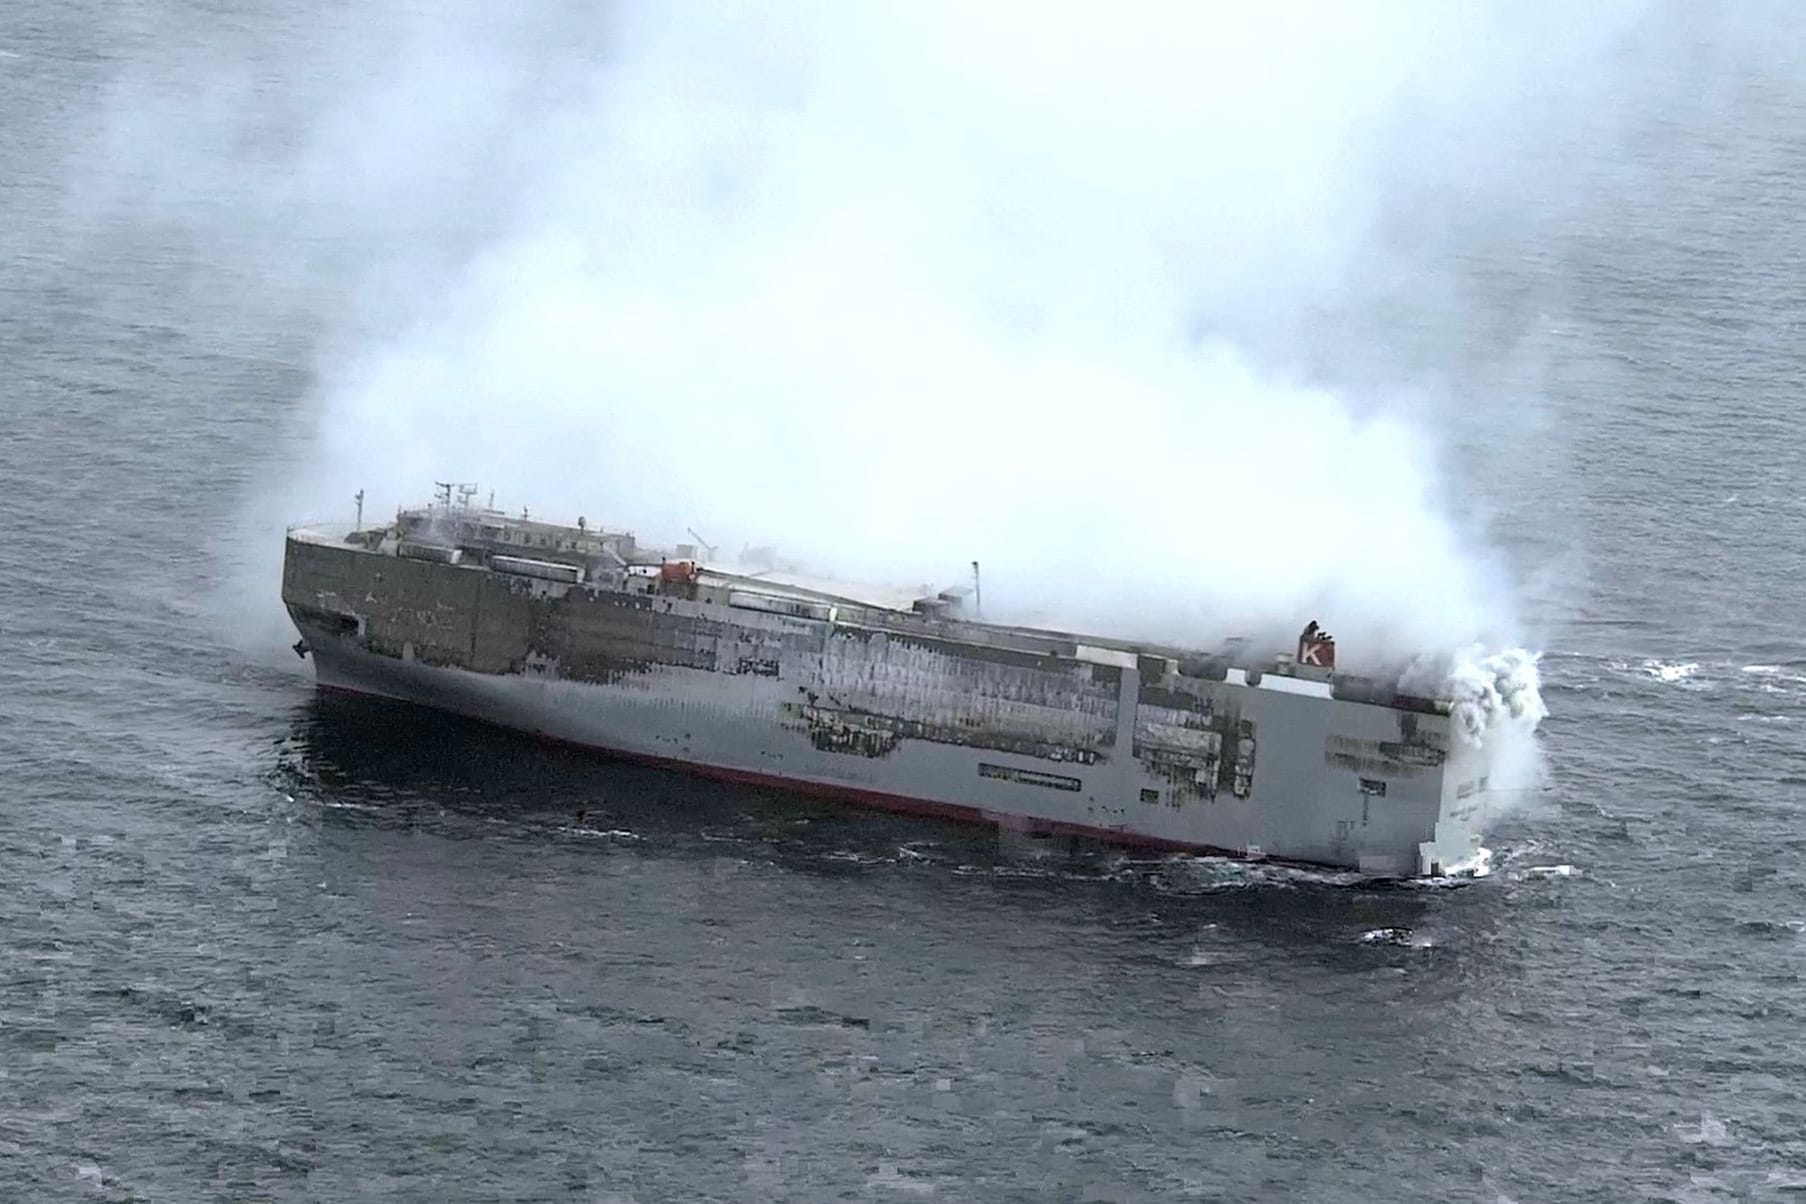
x=1469, y=805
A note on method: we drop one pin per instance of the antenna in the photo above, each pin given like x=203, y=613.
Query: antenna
x=708, y=549
x=444, y=490
x=360, y=512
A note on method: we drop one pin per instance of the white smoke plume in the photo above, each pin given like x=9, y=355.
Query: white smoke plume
x=1497, y=705
x=1489, y=693
x=899, y=287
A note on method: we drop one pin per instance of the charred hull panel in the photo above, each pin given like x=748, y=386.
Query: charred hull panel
x=883, y=708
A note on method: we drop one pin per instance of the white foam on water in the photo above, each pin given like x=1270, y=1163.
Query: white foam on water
x=342, y=805
x=1477, y=866
x=1709, y=1131
x=1671, y=672
x=602, y=833
x=889, y=1178
x=1767, y=676
x=1226, y=873
x=1404, y=938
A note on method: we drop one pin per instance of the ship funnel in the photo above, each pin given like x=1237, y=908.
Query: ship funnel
x=1316, y=647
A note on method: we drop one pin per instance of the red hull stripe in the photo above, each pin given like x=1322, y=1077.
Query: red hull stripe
x=878, y=800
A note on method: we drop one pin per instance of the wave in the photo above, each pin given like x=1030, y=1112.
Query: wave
x=1671, y=672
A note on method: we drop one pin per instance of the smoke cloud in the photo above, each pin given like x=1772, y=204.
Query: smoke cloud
x=895, y=288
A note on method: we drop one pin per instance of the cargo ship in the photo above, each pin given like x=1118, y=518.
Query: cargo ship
x=583, y=635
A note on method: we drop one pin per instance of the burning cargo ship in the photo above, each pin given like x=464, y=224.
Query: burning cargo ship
x=912, y=704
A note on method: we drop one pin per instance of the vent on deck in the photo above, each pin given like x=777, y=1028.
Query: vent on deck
x=437, y=553
x=545, y=570
x=771, y=604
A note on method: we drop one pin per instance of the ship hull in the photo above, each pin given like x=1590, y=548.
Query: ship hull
x=347, y=671
x=1093, y=743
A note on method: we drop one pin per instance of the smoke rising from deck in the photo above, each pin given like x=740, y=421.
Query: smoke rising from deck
x=894, y=288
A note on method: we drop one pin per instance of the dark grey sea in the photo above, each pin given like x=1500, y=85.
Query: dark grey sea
x=258, y=943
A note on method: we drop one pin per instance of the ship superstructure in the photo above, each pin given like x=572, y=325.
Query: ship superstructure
x=911, y=703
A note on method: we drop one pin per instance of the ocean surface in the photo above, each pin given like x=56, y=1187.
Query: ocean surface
x=256, y=943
